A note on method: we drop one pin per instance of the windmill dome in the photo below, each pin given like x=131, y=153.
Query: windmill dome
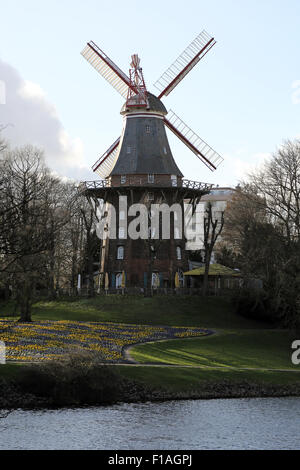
x=155, y=106
x=144, y=148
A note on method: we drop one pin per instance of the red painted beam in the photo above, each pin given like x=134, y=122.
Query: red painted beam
x=189, y=144
x=98, y=163
x=187, y=66
x=113, y=66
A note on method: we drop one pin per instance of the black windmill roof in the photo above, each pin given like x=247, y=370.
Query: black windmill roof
x=144, y=146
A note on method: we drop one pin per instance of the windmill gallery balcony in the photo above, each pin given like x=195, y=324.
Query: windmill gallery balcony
x=187, y=187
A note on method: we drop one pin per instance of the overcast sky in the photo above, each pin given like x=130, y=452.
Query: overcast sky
x=243, y=98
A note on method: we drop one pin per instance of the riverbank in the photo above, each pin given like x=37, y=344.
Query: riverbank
x=55, y=386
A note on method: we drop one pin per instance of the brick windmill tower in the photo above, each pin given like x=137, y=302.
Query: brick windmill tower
x=139, y=168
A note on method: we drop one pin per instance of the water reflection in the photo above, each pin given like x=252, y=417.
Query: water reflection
x=260, y=423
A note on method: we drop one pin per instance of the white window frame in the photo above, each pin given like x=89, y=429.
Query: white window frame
x=118, y=280
x=176, y=233
x=123, y=179
x=151, y=178
x=121, y=232
x=155, y=280
x=178, y=253
x=120, y=252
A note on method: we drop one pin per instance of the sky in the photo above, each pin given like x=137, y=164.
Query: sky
x=243, y=98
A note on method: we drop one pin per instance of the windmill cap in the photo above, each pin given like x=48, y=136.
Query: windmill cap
x=155, y=105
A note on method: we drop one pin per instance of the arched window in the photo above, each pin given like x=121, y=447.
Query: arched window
x=119, y=280
x=120, y=252
x=178, y=252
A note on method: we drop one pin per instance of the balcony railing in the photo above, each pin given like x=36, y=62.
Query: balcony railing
x=196, y=185
x=187, y=184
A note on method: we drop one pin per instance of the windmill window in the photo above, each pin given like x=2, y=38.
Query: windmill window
x=128, y=149
x=123, y=179
x=155, y=280
x=178, y=252
x=120, y=252
x=118, y=280
x=150, y=178
x=148, y=129
x=165, y=150
x=151, y=232
x=121, y=232
x=174, y=180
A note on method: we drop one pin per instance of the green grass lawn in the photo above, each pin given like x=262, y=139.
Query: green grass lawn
x=237, y=349
x=185, y=379
x=207, y=312
x=239, y=342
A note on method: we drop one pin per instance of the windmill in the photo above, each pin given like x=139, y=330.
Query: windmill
x=134, y=86
x=140, y=165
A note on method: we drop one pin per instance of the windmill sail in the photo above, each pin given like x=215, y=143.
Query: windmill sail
x=200, y=148
x=107, y=161
x=107, y=68
x=184, y=64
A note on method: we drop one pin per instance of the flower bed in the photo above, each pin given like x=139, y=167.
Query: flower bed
x=46, y=340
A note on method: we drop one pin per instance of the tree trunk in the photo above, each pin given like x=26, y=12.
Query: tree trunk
x=24, y=300
x=206, y=272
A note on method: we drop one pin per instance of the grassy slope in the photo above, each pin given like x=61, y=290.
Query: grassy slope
x=210, y=312
x=239, y=348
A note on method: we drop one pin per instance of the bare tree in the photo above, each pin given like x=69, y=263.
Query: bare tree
x=28, y=208
x=263, y=230
x=278, y=188
x=62, y=200
x=91, y=242
x=213, y=226
x=3, y=143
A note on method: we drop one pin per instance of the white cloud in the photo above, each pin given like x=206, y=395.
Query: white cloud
x=30, y=118
x=31, y=90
